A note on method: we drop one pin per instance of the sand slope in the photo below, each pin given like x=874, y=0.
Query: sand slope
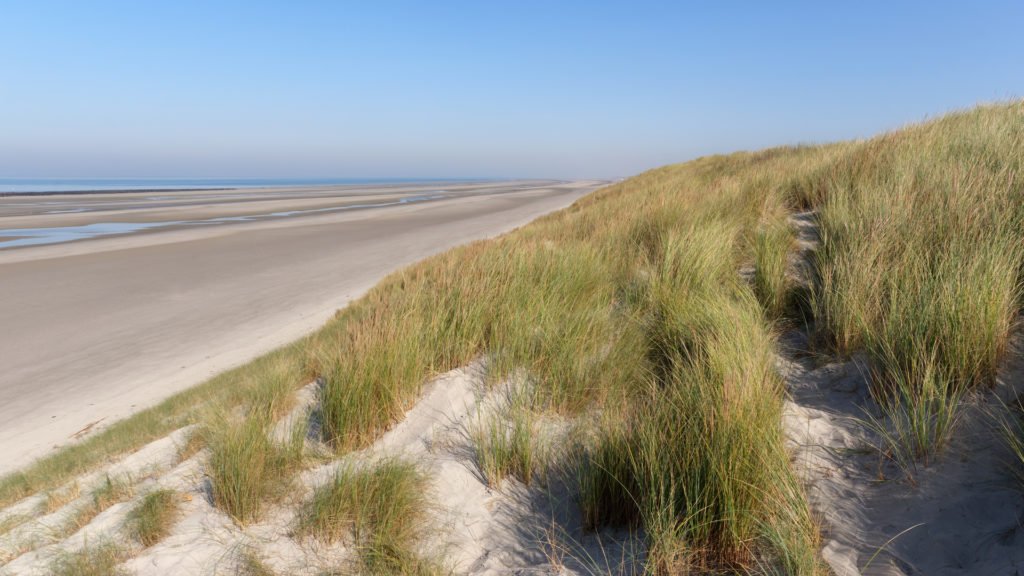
x=479, y=530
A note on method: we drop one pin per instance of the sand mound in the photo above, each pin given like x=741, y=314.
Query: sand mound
x=518, y=529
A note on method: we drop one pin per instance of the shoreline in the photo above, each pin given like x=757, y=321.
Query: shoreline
x=274, y=186
x=181, y=306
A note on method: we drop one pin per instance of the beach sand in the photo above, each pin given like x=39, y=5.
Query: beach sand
x=95, y=330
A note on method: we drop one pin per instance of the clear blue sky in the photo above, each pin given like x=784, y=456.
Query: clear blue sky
x=436, y=89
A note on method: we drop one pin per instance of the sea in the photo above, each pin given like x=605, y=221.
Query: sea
x=44, y=185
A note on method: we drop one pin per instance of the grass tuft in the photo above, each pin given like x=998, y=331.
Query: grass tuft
x=250, y=563
x=247, y=468
x=95, y=560
x=381, y=510
x=505, y=442
x=152, y=518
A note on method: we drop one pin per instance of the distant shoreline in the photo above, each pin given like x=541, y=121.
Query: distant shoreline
x=119, y=191
x=152, y=187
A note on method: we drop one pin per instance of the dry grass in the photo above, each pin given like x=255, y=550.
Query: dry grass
x=57, y=499
x=153, y=517
x=95, y=560
x=250, y=563
x=381, y=511
x=11, y=522
x=109, y=492
x=1010, y=424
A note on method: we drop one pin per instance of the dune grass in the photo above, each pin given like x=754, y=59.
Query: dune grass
x=505, y=448
x=773, y=247
x=99, y=559
x=247, y=468
x=109, y=492
x=698, y=460
x=381, y=512
x=153, y=517
x=57, y=499
x=920, y=262
x=247, y=465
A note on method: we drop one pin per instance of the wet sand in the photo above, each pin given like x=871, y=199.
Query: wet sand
x=96, y=329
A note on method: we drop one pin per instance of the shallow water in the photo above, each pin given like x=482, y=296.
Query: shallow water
x=21, y=237
x=41, y=185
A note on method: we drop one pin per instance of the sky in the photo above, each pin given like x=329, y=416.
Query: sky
x=378, y=89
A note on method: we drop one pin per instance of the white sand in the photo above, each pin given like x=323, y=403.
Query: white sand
x=480, y=531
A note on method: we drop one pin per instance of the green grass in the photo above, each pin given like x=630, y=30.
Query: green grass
x=505, y=441
x=247, y=468
x=380, y=511
x=153, y=517
x=772, y=285
x=96, y=560
x=698, y=460
x=921, y=258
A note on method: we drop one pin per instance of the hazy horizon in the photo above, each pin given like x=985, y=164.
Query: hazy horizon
x=461, y=90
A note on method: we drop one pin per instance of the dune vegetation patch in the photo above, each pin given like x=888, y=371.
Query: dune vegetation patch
x=153, y=517
x=100, y=559
x=380, y=510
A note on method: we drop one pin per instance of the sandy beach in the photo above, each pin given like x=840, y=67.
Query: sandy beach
x=197, y=282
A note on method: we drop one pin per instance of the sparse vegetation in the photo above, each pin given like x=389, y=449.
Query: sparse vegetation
x=219, y=395
x=57, y=499
x=250, y=563
x=11, y=522
x=109, y=492
x=1010, y=424
x=152, y=518
x=505, y=441
x=100, y=559
x=381, y=510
